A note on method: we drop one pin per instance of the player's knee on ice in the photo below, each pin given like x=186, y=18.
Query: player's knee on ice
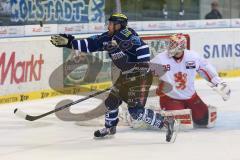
x=209, y=119
x=203, y=121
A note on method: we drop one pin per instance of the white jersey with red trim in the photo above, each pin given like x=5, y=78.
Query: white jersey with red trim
x=181, y=73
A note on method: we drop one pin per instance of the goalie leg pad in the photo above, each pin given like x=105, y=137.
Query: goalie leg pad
x=184, y=116
x=199, y=110
x=186, y=121
x=212, y=116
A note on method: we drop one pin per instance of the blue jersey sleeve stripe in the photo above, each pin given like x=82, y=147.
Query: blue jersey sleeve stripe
x=142, y=47
x=143, y=56
x=83, y=46
x=86, y=44
x=74, y=44
x=79, y=45
x=142, y=52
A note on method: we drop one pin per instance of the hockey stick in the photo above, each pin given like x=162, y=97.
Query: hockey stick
x=25, y=116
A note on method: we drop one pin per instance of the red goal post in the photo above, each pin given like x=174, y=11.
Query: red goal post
x=158, y=43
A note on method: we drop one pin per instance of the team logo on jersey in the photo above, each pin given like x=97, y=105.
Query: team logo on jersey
x=126, y=32
x=180, y=80
x=190, y=65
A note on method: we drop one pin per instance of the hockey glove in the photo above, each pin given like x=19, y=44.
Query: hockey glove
x=222, y=89
x=62, y=40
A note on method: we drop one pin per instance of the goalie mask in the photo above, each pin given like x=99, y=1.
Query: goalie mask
x=177, y=43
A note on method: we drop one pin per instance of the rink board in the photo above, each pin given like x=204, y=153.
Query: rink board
x=28, y=63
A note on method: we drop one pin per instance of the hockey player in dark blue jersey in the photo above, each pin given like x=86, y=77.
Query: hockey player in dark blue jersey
x=131, y=55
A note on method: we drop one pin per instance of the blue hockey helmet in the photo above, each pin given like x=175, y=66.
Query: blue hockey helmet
x=119, y=18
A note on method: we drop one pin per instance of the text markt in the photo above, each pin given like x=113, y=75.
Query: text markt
x=20, y=71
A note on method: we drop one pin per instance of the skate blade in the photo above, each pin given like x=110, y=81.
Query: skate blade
x=175, y=131
x=110, y=136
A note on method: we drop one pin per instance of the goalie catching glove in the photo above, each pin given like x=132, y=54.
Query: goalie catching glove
x=222, y=89
x=62, y=40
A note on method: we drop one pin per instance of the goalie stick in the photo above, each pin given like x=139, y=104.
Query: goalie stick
x=25, y=116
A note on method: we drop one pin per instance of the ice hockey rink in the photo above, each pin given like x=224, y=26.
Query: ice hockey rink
x=51, y=138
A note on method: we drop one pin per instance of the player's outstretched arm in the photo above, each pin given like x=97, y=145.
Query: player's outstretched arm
x=208, y=72
x=90, y=44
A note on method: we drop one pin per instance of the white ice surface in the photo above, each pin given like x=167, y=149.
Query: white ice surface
x=52, y=139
